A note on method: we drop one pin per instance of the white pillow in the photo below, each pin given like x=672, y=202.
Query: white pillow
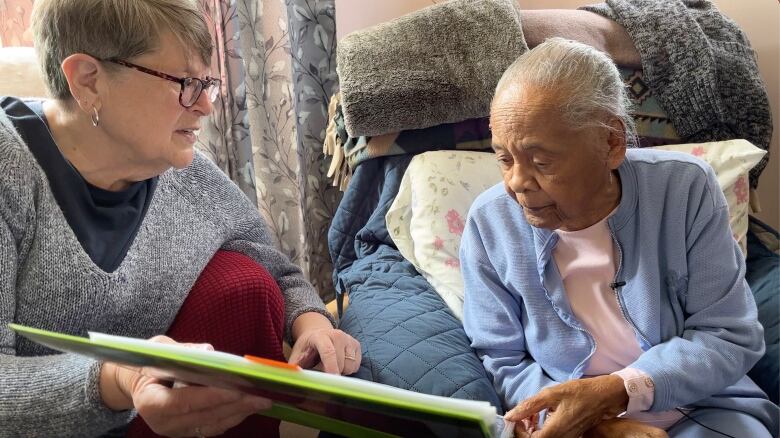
x=427, y=217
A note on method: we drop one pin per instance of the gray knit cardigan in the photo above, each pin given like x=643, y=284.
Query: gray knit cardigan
x=48, y=281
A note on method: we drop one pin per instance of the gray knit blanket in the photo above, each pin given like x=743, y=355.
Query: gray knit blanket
x=437, y=65
x=701, y=67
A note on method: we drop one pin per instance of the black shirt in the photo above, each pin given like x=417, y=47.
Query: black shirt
x=104, y=222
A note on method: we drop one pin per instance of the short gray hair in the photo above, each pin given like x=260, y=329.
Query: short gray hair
x=585, y=80
x=112, y=29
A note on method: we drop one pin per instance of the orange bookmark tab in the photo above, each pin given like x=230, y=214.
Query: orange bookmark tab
x=271, y=362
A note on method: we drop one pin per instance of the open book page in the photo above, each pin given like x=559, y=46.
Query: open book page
x=311, y=379
x=343, y=405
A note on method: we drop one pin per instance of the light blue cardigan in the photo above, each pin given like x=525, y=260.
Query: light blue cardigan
x=685, y=293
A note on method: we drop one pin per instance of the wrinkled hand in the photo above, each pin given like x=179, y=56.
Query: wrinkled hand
x=338, y=352
x=624, y=428
x=579, y=405
x=178, y=411
x=527, y=426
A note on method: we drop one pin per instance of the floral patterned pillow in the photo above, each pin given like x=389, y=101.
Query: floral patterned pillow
x=731, y=160
x=427, y=217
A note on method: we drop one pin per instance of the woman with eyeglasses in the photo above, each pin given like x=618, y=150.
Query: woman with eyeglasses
x=108, y=216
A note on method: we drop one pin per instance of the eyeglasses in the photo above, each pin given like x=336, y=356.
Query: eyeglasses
x=191, y=88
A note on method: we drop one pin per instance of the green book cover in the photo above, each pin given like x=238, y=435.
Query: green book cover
x=343, y=405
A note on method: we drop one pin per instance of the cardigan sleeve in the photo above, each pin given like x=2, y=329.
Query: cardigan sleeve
x=492, y=319
x=721, y=338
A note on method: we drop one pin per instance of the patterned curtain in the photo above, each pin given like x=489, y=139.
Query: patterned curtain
x=277, y=63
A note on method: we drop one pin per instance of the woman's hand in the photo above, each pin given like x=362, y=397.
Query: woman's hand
x=624, y=428
x=178, y=411
x=579, y=405
x=526, y=427
x=316, y=341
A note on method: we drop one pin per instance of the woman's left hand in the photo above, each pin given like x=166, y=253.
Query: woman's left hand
x=578, y=405
x=318, y=342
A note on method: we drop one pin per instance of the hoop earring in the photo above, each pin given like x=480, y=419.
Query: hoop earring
x=95, y=117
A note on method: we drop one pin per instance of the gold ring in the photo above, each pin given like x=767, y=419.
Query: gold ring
x=348, y=357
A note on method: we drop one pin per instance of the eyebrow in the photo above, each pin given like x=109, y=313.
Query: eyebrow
x=189, y=71
x=533, y=146
x=524, y=147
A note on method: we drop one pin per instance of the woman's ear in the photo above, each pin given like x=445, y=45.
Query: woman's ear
x=83, y=73
x=617, y=142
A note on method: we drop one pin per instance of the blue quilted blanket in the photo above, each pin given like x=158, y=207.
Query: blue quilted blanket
x=409, y=337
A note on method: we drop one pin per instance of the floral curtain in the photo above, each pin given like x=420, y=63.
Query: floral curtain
x=277, y=63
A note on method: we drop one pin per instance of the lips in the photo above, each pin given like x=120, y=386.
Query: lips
x=536, y=209
x=193, y=129
x=191, y=134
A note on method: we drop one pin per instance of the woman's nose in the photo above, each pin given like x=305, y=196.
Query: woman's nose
x=203, y=105
x=521, y=179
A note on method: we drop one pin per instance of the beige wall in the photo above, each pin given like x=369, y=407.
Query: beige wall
x=760, y=19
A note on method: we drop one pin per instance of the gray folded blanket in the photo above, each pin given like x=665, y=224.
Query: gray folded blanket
x=701, y=67
x=437, y=65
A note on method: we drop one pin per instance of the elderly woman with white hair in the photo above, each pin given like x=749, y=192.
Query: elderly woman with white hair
x=604, y=292
x=108, y=216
